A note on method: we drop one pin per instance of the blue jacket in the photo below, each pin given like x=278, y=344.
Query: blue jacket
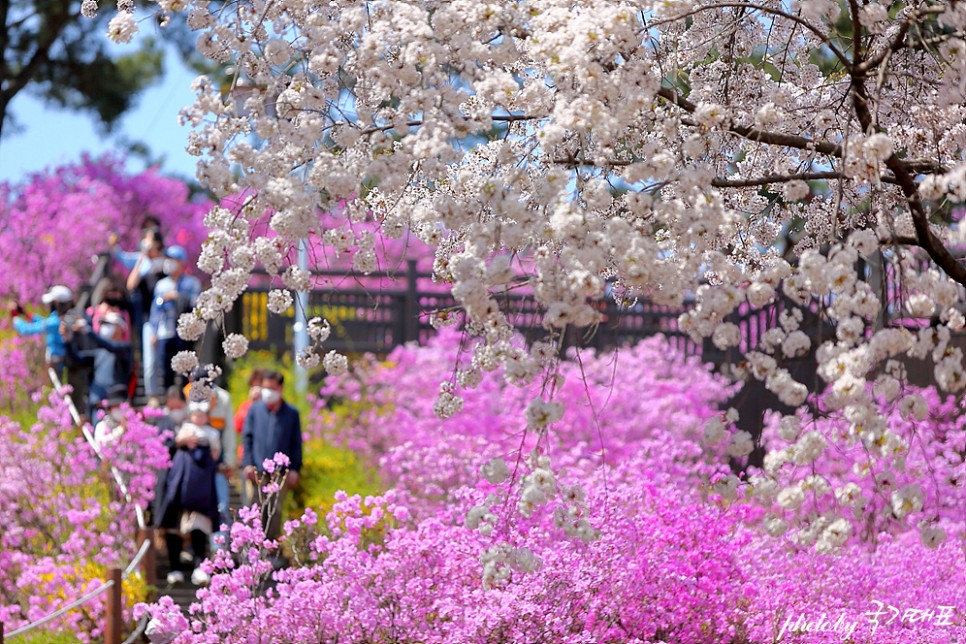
x=50, y=327
x=164, y=313
x=267, y=432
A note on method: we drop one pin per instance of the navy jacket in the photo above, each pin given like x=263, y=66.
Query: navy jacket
x=268, y=432
x=189, y=485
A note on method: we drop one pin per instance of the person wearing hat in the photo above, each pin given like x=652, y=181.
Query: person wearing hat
x=173, y=295
x=60, y=299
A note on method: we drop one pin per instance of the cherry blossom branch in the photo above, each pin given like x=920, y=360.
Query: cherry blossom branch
x=507, y=118
x=757, y=7
x=755, y=134
x=721, y=182
x=918, y=166
x=927, y=240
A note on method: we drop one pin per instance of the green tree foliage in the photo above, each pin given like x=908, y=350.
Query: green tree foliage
x=49, y=50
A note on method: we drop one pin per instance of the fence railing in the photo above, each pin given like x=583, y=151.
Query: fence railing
x=375, y=313
x=379, y=311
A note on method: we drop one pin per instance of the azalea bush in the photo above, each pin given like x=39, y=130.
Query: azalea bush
x=21, y=363
x=651, y=539
x=65, y=522
x=395, y=424
x=42, y=243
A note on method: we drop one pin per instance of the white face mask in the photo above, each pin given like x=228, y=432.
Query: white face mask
x=145, y=245
x=157, y=264
x=106, y=331
x=270, y=396
x=176, y=415
x=117, y=414
x=170, y=266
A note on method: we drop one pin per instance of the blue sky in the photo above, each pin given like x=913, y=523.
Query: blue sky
x=53, y=137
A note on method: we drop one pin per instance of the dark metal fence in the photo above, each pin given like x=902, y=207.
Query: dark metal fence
x=379, y=319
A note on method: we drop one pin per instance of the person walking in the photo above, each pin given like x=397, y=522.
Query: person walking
x=173, y=295
x=272, y=426
x=219, y=416
x=190, y=504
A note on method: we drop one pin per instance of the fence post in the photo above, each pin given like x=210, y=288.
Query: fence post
x=112, y=614
x=149, y=564
x=410, y=326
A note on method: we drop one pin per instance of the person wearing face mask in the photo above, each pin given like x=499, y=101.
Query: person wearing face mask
x=112, y=425
x=219, y=416
x=272, y=426
x=175, y=409
x=189, y=506
x=150, y=225
x=254, y=394
x=109, y=356
x=145, y=274
x=110, y=299
x=173, y=295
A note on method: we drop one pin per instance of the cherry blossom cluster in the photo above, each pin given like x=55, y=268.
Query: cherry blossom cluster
x=698, y=154
x=833, y=478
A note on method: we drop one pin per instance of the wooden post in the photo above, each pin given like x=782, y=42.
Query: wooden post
x=112, y=614
x=149, y=564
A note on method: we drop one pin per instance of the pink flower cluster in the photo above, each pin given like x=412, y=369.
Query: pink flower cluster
x=42, y=243
x=20, y=358
x=445, y=556
x=63, y=520
x=607, y=420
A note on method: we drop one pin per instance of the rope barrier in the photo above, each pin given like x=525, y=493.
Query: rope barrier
x=142, y=624
x=122, y=488
x=145, y=546
x=60, y=611
x=115, y=474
